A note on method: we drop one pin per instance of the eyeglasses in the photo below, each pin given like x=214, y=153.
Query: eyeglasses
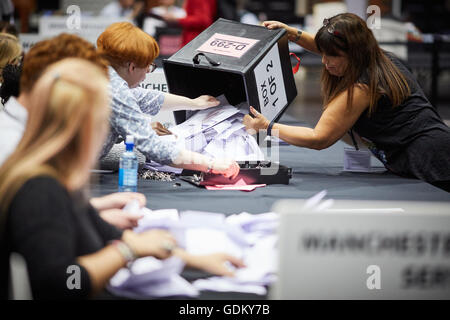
x=330, y=29
x=151, y=67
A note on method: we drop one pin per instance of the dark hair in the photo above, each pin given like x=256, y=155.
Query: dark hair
x=49, y=51
x=347, y=34
x=11, y=82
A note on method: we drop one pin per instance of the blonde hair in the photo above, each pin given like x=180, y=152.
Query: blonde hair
x=10, y=50
x=67, y=114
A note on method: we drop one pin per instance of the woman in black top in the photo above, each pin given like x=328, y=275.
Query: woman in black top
x=42, y=215
x=372, y=93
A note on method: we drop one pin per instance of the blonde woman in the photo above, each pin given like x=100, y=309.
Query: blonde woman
x=10, y=51
x=42, y=213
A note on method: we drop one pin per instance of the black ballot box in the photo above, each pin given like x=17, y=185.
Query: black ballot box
x=247, y=63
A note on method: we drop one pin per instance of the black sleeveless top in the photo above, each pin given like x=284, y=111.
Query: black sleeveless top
x=410, y=139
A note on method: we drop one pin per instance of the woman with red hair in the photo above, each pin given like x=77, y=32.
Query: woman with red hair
x=131, y=52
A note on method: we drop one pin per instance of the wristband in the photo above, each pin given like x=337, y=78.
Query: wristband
x=125, y=250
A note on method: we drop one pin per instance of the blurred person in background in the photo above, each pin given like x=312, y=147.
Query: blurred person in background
x=368, y=91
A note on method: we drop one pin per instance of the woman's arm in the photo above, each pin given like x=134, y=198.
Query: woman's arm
x=173, y=102
x=200, y=14
x=335, y=121
x=305, y=39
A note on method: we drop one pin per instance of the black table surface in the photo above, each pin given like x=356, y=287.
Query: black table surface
x=313, y=171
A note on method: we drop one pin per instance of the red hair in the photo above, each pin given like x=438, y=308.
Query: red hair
x=122, y=42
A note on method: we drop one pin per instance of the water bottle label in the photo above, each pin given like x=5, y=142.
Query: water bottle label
x=127, y=177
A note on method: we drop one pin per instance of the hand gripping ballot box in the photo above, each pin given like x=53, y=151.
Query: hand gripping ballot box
x=246, y=63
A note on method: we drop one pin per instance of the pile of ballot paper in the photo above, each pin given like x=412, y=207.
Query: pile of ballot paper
x=218, y=132
x=250, y=237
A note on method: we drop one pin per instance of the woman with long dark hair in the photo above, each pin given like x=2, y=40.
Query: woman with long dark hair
x=371, y=92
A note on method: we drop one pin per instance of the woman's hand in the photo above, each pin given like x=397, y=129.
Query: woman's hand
x=205, y=102
x=156, y=243
x=254, y=124
x=120, y=219
x=160, y=129
x=226, y=167
x=117, y=200
x=292, y=32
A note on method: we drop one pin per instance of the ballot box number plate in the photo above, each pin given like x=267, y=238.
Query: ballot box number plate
x=227, y=45
x=270, y=84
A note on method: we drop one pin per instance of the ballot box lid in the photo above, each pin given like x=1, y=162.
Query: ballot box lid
x=238, y=46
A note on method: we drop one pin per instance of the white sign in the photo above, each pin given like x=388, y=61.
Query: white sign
x=227, y=45
x=157, y=81
x=364, y=250
x=270, y=84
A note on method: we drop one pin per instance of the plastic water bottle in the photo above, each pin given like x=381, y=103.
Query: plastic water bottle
x=128, y=167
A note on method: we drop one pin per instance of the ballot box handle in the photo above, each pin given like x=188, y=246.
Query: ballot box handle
x=196, y=59
x=295, y=69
